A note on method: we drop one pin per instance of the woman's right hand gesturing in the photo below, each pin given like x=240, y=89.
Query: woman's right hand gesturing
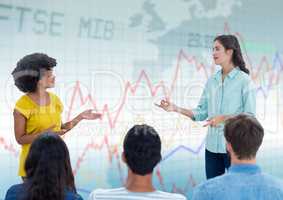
x=167, y=106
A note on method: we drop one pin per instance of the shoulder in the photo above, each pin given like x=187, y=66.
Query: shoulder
x=272, y=181
x=24, y=102
x=17, y=187
x=213, y=81
x=270, y=185
x=15, y=190
x=216, y=75
x=56, y=101
x=246, y=78
x=108, y=191
x=122, y=193
x=25, y=106
x=54, y=96
x=211, y=185
x=167, y=195
x=100, y=193
x=214, y=78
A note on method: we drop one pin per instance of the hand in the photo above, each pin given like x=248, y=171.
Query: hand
x=167, y=106
x=215, y=121
x=90, y=115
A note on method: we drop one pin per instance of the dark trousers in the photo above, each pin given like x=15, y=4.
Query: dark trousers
x=216, y=163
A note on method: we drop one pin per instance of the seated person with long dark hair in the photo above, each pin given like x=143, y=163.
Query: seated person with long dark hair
x=49, y=172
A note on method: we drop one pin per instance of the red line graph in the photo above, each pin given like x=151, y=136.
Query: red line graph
x=264, y=66
x=131, y=88
x=190, y=183
x=94, y=146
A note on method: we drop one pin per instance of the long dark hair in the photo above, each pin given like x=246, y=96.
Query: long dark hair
x=231, y=42
x=48, y=168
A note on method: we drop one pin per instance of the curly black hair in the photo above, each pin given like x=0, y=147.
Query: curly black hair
x=30, y=69
x=142, y=149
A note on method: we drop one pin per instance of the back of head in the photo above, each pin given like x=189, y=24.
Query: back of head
x=245, y=134
x=30, y=69
x=48, y=168
x=142, y=149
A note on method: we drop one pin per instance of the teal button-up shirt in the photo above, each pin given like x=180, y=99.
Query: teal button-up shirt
x=235, y=95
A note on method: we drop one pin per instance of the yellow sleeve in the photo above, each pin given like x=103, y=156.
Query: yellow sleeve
x=23, y=107
x=58, y=104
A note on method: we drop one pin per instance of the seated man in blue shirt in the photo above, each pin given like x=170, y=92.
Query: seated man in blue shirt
x=244, y=180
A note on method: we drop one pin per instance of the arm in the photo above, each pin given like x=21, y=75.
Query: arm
x=88, y=115
x=187, y=112
x=20, y=129
x=171, y=107
x=249, y=98
x=198, y=114
x=200, y=193
x=71, y=124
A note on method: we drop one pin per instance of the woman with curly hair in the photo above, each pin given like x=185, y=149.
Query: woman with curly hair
x=39, y=110
x=48, y=172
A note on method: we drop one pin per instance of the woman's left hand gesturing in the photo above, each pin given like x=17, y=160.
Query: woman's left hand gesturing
x=90, y=115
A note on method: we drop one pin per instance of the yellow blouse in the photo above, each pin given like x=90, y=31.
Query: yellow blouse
x=38, y=118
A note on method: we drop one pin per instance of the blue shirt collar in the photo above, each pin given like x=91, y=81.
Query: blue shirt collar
x=244, y=168
x=231, y=74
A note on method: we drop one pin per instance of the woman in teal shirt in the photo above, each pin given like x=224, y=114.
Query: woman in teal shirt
x=228, y=92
